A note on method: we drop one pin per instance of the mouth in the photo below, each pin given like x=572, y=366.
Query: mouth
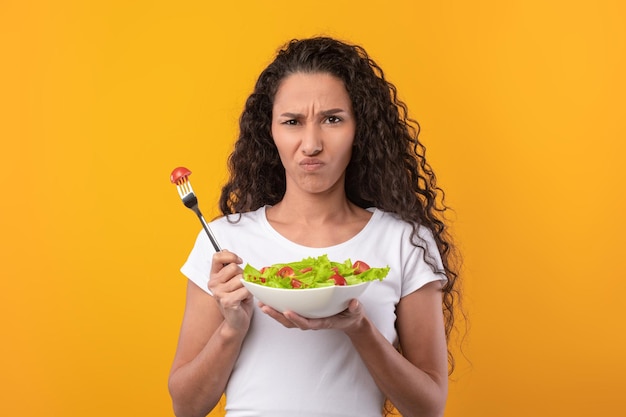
x=311, y=164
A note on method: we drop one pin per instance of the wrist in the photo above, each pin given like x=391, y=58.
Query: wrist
x=230, y=334
x=360, y=328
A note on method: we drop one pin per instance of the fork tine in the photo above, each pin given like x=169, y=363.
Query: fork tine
x=184, y=187
x=187, y=186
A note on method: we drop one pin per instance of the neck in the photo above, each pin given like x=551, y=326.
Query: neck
x=314, y=209
x=317, y=220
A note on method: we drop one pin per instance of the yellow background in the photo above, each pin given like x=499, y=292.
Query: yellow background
x=522, y=109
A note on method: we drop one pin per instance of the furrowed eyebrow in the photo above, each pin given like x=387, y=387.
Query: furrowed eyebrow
x=329, y=112
x=291, y=115
x=332, y=112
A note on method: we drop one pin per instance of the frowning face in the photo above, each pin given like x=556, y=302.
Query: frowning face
x=313, y=127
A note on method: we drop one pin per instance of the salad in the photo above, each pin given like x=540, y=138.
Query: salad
x=313, y=273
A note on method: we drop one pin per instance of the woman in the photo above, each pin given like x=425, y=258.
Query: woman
x=327, y=162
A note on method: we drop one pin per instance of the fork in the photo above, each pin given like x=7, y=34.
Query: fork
x=180, y=177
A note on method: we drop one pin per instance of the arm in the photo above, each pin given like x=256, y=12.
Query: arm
x=416, y=381
x=211, y=335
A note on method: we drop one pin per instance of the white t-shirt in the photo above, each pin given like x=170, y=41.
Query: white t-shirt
x=284, y=372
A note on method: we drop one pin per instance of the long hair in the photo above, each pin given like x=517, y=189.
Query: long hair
x=388, y=168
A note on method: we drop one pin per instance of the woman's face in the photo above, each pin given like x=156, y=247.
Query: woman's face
x=313, y=128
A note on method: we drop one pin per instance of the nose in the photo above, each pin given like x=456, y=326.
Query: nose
x=311, y=140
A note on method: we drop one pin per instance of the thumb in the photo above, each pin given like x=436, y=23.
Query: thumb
x=354, y=306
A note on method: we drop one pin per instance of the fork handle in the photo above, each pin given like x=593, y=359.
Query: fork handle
x=207, y=229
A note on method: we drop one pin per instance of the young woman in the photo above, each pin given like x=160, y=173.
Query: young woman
x=327, y=162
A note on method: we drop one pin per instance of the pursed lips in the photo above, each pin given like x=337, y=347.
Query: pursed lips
x=311, y=164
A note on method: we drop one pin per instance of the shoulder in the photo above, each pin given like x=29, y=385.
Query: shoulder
x=392, y=223
x=240, y=219
x=415, y=241
x=389, y=218
x=240, y=229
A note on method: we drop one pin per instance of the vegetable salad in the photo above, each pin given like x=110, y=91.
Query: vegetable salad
x=313, y=273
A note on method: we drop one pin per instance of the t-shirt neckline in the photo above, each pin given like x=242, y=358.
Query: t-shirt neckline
x=376, y=214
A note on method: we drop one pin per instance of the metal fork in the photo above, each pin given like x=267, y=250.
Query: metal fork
x=180, y=177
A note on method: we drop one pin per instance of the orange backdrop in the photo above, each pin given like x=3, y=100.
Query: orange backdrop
x=522, y=108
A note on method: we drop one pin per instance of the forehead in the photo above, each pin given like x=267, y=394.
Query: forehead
x=302, y=88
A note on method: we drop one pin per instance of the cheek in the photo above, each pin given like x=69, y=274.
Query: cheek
x=277, y=138
x=349, y=153
x=346, y=152
x=284, y=145
x=349, y=145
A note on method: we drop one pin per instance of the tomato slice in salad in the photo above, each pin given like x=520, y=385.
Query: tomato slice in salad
x=360, y=266
x=285, y=271
x=339, y=279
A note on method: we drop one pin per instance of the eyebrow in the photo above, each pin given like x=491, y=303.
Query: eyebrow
x=329, y=112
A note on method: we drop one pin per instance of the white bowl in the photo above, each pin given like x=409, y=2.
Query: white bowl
x=310, y=302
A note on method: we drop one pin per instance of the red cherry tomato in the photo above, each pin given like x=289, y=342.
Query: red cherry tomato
x=295, y=283
x=178, y=174
x=339, y=280
x=285, y=271
x=360, y=266
x=305, y=270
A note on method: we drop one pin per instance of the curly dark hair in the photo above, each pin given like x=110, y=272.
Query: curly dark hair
x=388, y=168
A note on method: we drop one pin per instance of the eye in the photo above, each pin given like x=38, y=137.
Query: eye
x=333, y=119
x=290, y=122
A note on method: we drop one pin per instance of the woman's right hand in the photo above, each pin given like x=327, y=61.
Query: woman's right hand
x=212, y=332
x=234, y=300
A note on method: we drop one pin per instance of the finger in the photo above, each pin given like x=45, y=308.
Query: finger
x=235, y=298
x=306, y=323
x=225, y=257
x=354, y=306
x=225, y=282
x=229, y=276
x=276, y=315
x=222, y=258
x=230, y=272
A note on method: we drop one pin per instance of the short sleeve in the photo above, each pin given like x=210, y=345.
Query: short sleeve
x=422, y=264
x=198, y=265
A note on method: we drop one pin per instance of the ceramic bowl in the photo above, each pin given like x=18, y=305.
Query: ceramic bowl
x=310, y=302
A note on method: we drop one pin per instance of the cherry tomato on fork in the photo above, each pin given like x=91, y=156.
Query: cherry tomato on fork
x=179, y=174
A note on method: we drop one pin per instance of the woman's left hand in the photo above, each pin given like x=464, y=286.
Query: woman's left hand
x=349, y=319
